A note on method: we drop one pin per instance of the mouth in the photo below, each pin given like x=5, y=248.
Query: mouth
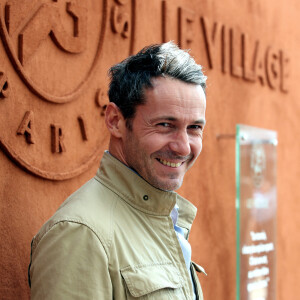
x=169, y=163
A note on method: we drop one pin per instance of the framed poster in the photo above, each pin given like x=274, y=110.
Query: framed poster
x=256, y=207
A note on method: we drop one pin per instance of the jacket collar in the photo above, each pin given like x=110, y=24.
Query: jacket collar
x=140, y=194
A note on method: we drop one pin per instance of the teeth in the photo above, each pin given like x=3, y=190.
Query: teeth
x=170, y=164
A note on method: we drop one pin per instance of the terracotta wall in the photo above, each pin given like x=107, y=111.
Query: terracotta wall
x=53, y=62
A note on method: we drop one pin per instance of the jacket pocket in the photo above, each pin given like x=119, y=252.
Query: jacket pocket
x=156, y=281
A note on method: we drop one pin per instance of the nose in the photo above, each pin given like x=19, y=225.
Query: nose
x=180, y=144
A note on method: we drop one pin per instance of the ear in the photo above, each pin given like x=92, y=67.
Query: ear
x=114, y=120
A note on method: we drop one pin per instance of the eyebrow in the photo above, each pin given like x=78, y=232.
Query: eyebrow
x=169, y=118
x=200, y=121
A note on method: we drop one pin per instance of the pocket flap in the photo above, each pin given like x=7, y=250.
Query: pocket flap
x=144, y=279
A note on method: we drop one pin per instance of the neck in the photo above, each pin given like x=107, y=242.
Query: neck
x=116, y=151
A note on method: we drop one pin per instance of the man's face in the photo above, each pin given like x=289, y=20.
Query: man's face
x=166, y=134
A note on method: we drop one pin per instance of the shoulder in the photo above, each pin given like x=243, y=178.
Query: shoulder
x=92, y=206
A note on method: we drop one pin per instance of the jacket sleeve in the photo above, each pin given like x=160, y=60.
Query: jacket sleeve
x=69, y=262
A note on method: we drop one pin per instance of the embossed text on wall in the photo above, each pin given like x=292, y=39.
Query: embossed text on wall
x=227, y=49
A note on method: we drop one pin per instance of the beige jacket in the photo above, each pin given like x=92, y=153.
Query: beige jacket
x=113, y=239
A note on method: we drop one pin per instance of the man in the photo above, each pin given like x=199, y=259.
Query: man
x=123, y=234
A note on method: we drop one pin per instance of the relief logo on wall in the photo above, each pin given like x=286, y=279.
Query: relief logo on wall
x=53, y=63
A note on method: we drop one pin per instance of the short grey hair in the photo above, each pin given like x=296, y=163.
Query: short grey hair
x=130, y=77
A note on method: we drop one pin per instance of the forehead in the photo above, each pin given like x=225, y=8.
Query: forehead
x=175, y=97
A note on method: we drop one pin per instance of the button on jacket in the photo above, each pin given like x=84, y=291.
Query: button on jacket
x=114, y=239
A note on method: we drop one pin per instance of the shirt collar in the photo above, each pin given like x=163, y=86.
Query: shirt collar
x=140, y=194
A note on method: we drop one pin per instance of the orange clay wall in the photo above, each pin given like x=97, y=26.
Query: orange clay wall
x=54, y=58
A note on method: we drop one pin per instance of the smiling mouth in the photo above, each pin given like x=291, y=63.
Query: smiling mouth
x=170, y=164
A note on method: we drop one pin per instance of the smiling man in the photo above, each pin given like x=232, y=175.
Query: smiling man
x=123, y=235
x=165, y=137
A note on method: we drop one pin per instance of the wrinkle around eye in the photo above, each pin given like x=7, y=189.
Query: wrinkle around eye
x=196, y=131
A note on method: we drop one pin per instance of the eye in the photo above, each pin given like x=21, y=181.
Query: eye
x=164, y=124
x=195, y=127
x=196, y=130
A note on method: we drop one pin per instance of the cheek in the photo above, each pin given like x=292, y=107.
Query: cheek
x=153, y=143
x=196, y=147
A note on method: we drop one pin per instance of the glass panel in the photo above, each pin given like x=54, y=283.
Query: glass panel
x=256, y=213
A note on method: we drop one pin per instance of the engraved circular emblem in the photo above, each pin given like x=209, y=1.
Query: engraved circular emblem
x=58, y=51
x=33, y=30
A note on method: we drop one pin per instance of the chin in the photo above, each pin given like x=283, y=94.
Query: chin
x=170, y=186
